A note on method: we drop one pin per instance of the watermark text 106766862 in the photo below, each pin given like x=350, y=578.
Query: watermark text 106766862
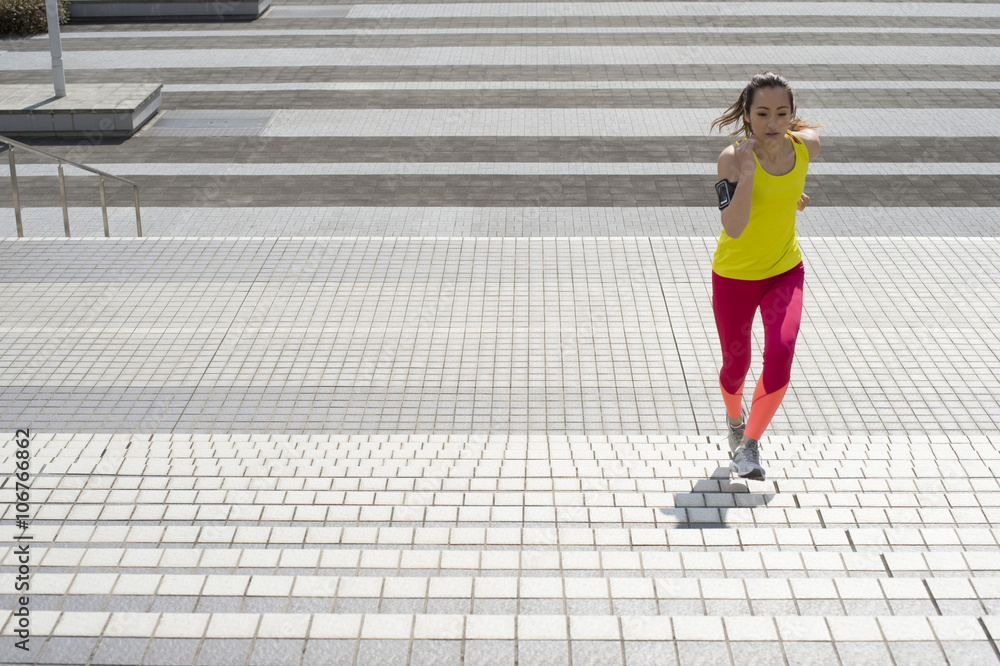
x=22, y=551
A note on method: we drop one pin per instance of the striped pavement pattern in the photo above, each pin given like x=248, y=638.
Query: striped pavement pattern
x=416, y=364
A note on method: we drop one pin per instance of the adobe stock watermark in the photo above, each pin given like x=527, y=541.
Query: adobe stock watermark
x=22, y=551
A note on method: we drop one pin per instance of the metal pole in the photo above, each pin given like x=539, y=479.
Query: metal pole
x=17, y=200
x=62, y=191
x=55, y=47
x=138, y=220
x=104, y=209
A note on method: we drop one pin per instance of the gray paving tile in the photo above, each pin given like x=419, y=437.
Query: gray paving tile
x=120, y=651
x=921, y=653
x=701, y=653
x=44, y=602
x=650, y=653
x=172, y=604
x=588, y=607
x=334, y=652
x=774, y=607
x=224, y=652
x=82, y=603
x=310, y=605
x=374, y=652
x=219, y=605
x=435, y=652
x=171, y=651
x=443, y=606
x=264, y=605
x=128, y=604
x=871, y=607
x=67, y=650
x=490, y=653
x=542, y=653
x=634, y=607
x=820, y=607
x=541, y=606
x=276, y=652
x=756, y=652
x=727, y=607
x=969, y=652
x=960, y=606
x=912, y=607
x=594, y=653
x=864, y=653
x=805, y=654
x=348, y=605
x=681, y=607
x=402, y=606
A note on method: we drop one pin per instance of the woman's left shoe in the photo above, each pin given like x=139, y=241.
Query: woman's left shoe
x=746, y=461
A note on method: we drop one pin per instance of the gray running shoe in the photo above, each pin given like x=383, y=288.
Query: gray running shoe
x=746, y=461
x=736, y=432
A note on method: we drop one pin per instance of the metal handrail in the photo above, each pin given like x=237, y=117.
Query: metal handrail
x=62, y=187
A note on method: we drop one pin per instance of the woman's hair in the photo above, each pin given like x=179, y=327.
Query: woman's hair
x=734, y=115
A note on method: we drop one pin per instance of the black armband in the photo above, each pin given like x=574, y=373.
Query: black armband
x=725, y=190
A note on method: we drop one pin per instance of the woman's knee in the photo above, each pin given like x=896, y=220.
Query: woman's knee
x=778, y=362
x=734, y=370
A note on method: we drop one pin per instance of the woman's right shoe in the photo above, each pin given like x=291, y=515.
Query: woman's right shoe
x=746, y=461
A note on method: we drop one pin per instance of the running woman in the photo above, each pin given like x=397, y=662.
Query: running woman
x=757, y=263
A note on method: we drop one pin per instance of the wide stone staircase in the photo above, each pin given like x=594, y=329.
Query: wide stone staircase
x=408, y=549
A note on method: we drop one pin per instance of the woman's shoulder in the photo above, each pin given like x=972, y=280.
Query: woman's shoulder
x=728, y=164
x=809, y=138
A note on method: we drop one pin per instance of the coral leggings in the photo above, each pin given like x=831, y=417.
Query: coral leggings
x=735, y=303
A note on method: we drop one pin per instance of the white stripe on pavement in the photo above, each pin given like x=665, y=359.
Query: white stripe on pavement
x=700, y=219
x=782, y=9
x=371, y=32
x=522, y=56
x=495, y=169
x=614, y=122
x=569, y=85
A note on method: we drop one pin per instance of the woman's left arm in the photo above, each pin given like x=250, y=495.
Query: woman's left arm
x=811, y=138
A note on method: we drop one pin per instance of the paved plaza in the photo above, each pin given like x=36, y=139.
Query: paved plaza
x=415, y=362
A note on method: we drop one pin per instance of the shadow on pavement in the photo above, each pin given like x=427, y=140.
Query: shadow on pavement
x=706, y=505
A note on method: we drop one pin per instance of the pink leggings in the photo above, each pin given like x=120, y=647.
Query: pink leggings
x=735, y=303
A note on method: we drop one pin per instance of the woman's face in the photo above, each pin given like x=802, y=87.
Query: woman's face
x=770, y=114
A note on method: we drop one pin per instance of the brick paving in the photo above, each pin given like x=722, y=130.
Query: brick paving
x=416, y=362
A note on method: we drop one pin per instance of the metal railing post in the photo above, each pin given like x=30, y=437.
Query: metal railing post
x=17, y=200
x=62, y=191
x=104, y=209
x=138, y=220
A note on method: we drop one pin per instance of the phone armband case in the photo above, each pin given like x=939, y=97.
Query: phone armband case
x=725, y=189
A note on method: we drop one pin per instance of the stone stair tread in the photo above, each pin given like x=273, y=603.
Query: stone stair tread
x=492, y=538
x=510, y=627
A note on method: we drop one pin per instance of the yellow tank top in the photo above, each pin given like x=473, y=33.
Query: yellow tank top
x=767, y=247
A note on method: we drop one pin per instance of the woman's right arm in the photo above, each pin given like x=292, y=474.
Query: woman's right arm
x=737, y=164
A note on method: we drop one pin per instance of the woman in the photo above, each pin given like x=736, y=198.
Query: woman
x=757, y=263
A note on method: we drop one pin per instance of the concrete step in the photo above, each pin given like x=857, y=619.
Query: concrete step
x=761, y=591
x=367, y=638
x=695, y=552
